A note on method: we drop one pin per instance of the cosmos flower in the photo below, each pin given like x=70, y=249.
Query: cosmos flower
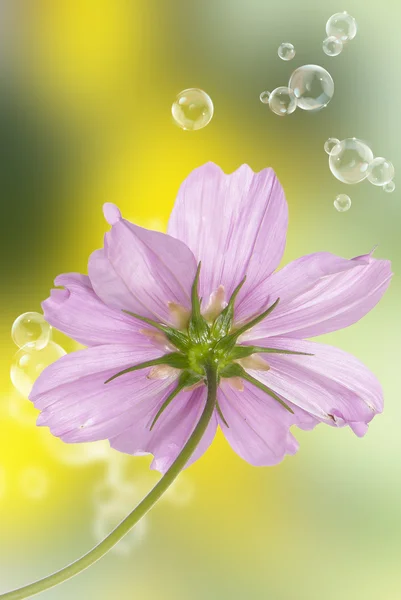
x=156, y=308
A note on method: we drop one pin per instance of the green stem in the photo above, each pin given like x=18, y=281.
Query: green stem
x=147, y=503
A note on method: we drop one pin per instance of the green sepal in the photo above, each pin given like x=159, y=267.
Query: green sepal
x=244, y=351
x=223, y=323
x=235, y=370
x=198, y=328
x=186, y=379
x=227, y=344
x=174, y=359
x=231, y=370
x=179, y=339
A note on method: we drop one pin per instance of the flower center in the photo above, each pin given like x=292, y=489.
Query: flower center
x=204, y=343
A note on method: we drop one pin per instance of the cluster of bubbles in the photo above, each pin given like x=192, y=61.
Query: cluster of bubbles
x=32, y=334
x=192, y=109
x=340, y=29
x=351, y=161
x=310, y=88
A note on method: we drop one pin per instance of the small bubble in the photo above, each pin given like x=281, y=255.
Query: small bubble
x=380, y=171
x=313, y=87
x=192, y=109
x=330, y=144
x=28, y=364
x=286, y=51
x=34, y=483
x=349, y=160
x=282, y=101
x=264, y=97
x=342, y=203
x=332, y=46
x=389, y=187
x=342, y=26
x=31, y=330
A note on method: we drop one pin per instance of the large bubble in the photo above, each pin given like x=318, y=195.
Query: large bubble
x=349, y=160
x=313, y=87
x=192, y=109
x=342, y=26
x=31, y=330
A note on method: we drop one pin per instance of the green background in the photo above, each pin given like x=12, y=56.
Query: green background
x=86, y=89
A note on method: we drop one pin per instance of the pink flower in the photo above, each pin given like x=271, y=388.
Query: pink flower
x=271, y=377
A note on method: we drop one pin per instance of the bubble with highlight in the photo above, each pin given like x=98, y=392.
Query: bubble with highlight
x=380, y=171
x=282, y=101
x=192, y=109
x=342, y=203
x=349, y=160
x=313, y=87
x=264, y=97
x=342, y=26
x=389, y=187
x=28, y=364
x=286, y=51
x=332, y=46
x=30, y=330
x=330, y=144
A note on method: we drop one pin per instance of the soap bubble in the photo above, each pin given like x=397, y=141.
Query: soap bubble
x=332, y=46
x=192, y=109
x=286, y=51
x=330, y=144
x=28, y=364
x=313, y=87
x=111, y=507
x=31, y=330
x=34, y=483
x=264, y=97
x=342, y=26
x=349, y=160
x=282, y=101
x=380, y=171
x=389, y=187
x=342, y=203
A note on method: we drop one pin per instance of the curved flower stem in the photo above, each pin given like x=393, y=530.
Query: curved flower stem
x=147, y=503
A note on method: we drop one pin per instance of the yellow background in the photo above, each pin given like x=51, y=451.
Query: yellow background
x=86, y=92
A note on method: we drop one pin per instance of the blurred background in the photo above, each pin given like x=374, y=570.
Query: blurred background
x=86, y=88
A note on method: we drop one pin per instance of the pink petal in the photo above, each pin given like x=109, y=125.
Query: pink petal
x=318, y=293
x=170, y=433
x=331, y=385
x=258, y=426
x=235, y=224
x=142, y=271
x=76, y=403
x=80, y=314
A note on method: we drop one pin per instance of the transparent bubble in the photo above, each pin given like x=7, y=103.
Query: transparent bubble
x=282, y=101
x=349, y=160
x=192, y=109
x=34, y=482
x=342, y=203
x=332, y=46
x=389, y=187
x=111, y=507
x=330, y=144
x=28, y=364
x=380, y=171
x=286, y=51
x=264, y=97
x=313, y=87
x=342, y=26
x=31, y=330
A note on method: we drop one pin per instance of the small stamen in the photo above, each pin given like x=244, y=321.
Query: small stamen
x=216, y=304
x=236, y=383
x=179, y=315
x=254, y=362
x=162, y=372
